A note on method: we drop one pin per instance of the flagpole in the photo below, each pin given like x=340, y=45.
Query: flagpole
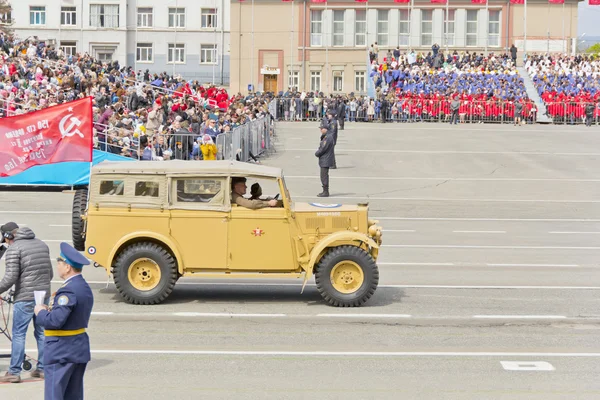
x=548, y=32
x=291, y=46
x=326, y=50
x=525, y=32
x=487, y=26
x=564, y=47
x=446, y=35
x=410, y=25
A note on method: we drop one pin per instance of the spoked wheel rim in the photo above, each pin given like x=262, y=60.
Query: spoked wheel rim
x=144, y=274
x=347, y=277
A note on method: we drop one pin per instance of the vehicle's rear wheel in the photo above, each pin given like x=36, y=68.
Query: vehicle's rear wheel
x=145, y=273
x=346, y=276
x=77, y=224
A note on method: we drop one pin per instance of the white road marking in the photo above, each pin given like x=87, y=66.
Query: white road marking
x=398, y=230
x=489, y=219
x=409, y=263
x=534, y=265
x=532, y=153
x=34, y=212
x=575, y=233
x=61, y=225
x=199, y=314
x=451, y=246
x=416, y=178
x=519, y=316
x=364, y=315
x=367, y=198
x=527, y=366
x=333, y=353
x=478, y=231
x=199, y=283
x=56, y=240
x=102, y=313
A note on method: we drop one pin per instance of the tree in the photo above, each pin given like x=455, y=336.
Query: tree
x=6, y=20
x=595, y=49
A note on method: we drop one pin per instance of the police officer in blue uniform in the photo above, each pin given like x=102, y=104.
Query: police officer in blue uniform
x=67, y=345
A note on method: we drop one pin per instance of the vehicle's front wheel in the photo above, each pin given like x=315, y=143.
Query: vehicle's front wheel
x=346, y=276
x=78, y=224
x=145, y=273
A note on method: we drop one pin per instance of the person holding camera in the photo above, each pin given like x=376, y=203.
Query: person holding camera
x=29, y=269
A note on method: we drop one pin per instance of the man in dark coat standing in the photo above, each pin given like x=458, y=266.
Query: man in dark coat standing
x=341, y=114
x=326, y=156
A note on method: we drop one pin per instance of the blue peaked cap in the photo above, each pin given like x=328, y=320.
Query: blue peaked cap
x=72, y=256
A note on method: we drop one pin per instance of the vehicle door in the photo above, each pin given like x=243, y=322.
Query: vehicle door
x=199, y=220
x=261, y=239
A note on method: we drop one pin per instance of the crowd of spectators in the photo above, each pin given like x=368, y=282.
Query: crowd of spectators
x=136, y=114
x=568, y=85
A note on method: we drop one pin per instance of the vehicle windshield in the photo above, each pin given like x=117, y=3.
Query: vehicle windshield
x=287, y=193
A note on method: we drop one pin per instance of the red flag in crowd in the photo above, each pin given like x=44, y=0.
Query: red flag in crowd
x=364, y=1
x=478, y=1
x=438, y=1
x=56, y=134
x=556, y=1
x=401, y=1
x=517, y=1
x=594, y=2
x=319, y=1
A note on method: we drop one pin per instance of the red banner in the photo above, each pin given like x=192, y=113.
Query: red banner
x=478, y=1
x=56, y=134
x=517, y=1
x=556, y=1
x=401, y=1
x=594, y=2
x=318, y=1
x=364, y=1
x=438, y=1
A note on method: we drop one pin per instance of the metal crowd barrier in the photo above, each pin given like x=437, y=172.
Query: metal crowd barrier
x=247, y=141
x=572, y=113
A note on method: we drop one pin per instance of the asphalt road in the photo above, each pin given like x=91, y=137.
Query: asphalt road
x=489, y=281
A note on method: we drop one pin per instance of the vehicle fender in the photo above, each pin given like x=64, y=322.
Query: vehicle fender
x=336, y=239
x=150, y=235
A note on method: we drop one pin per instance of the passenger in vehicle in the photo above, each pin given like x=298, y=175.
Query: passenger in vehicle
x=238, y=190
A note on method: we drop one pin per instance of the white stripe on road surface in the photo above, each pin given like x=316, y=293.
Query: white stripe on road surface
x=34, y=212
x=367, y=198
x=535, y=265
x=199, y=314
x=380, y=286
x=61, y=225
x=532, y=153
x=409, y=263
x=450, y=246
x=365, y=315
x=488, y=219
x=102, y=313
x=575, y=233
x=333, y=353
x=398, y=230
x=414, y=178
x=519, y=316
x=478, y=231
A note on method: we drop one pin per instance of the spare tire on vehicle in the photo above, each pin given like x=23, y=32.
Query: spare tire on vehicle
x=78, y=224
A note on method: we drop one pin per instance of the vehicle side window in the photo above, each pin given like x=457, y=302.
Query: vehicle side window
x=112, y=188
x=199, y=190
x=150, y=189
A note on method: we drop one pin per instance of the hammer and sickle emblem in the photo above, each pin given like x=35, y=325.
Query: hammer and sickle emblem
x=71, y=129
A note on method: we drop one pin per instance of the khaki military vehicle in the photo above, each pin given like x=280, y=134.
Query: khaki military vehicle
x=150, y=223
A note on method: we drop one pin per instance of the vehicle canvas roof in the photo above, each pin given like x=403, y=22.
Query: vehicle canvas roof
x=173, y=167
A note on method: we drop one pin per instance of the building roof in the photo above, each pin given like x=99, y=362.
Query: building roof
x=235, y=168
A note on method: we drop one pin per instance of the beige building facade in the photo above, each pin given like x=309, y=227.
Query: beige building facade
x=323, y=47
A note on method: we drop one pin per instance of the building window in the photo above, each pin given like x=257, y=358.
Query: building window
x=382, y=27
x=104, y=57
x=315, y=81
x=338, y=81
x=472, y=27
x=316, y=25
x=494, y=28
x=104, y=15
x=208, y=54
x=426, y=27
x=404, y=27
x=359, y=81
x=68, y=16
x=37, y=15
x=144, y=17
x=69, y=48
x=176, y=17
x=360, y=28
x=338, y=27
x=294, y=79
x=209, y=18
x=449, y=35
x=144, y=52
x=176, y=53
x=6, y=18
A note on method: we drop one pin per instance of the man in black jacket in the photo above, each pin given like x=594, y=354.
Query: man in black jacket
x=326, y=156
x=341, y=113
x=29, y=269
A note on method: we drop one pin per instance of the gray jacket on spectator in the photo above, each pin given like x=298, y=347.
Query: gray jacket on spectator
x=28, y=266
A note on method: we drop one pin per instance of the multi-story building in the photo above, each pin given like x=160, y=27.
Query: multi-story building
x=182, y=37
x=322, y=46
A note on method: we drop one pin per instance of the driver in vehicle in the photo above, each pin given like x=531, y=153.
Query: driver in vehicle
x=238, y=190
